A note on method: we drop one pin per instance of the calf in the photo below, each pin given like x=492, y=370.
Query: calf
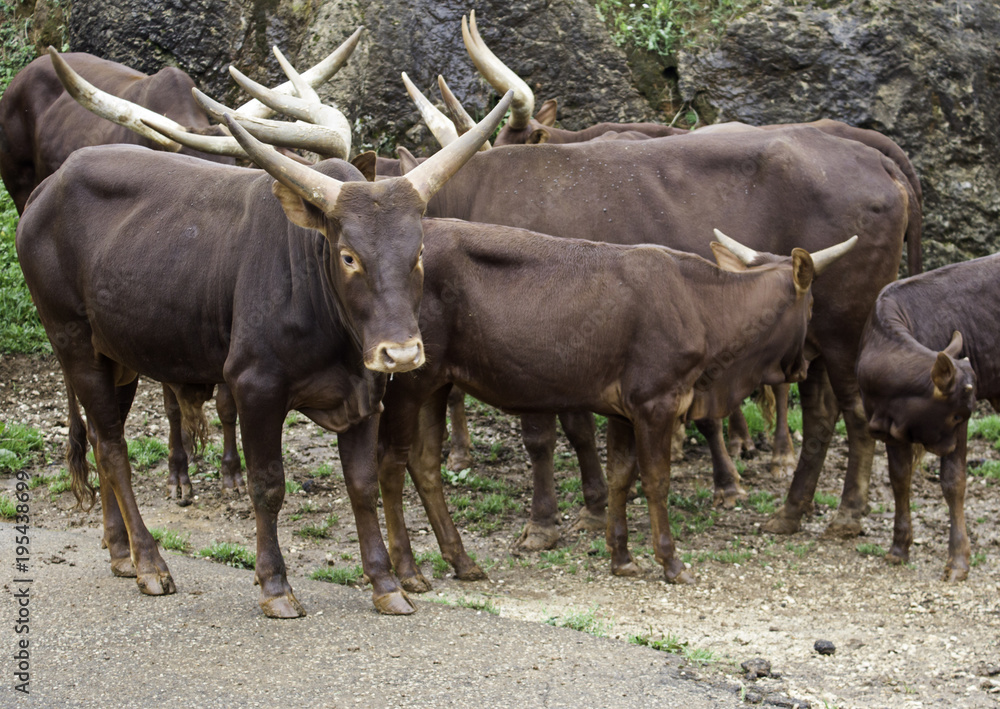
x=645, y=335
x=916, y=390
x=306, y=312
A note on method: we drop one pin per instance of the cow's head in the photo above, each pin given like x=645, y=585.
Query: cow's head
x=918, y=395
x=376, y=238
x=773, y=342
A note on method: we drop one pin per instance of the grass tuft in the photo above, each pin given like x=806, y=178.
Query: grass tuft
x=18, y=445
x=344, y=575
x=145, y=452
x=169, y=539
x=231, y=555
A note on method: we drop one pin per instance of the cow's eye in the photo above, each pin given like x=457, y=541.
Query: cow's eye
x=350, y=262
x=348, y=259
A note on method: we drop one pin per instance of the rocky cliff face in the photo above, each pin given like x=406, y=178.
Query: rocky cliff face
x=926, y=74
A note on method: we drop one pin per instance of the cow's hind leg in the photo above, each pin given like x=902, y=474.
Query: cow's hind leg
x=539, y=434
x=460, y=456
x=782, y=451
x=178, y=481
x=900, y=457
x=622, y=473
x=953, y=485
x=740, y=441
x=232, y=467
x=106, y=406
x=726, y=479
x=581, y=431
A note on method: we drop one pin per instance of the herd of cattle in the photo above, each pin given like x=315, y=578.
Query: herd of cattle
x=565, y=273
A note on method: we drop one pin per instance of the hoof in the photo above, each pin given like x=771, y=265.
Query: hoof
x=631, y=570
x=286, y=606
x=684, y=577
x=587, y=521
x=896, y=558
x=729, y=498
x=953, y=575
x=460, y=461
x=843, y=527
x=783, y=522
x=395, y=603
x=535, y=537
x=415, y=584
x=173, y=492
x=158, y=584
x=782, y=467
x=471, y=572
x=123, y=568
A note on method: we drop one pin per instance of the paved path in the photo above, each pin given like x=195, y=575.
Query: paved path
x=96, y=641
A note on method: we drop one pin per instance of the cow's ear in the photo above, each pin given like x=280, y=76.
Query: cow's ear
x=803, y=270
x=954, y=348
x=406, y=160
x=727, y=260
x=547, y=113
x=538, y=136
x=943, y=376
x=298, y=211
x=365, y=162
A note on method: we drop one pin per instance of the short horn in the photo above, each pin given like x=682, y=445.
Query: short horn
x=316, y=76
x=430, y=175
x=461, y=118
x=825, y=258
x=498, y=74
x=442, y=128
x=743, y=253
x=117, y=110
x=315, y=187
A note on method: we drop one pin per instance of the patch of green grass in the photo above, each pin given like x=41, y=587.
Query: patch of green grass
x=553, y=557
x=18, y=445
x=564, y=461
x=584, y=621
x=438, y=564
x=761, y=502
x=344, y=575
x=317, y=531
x=987, y=427
x=8, y=508
x=570, y=485
x=674, y=645
x=490, y=505
x=800, y=550
x=169, y=539
x=292, y=487
x=734, y=553
x=479, y=604
x=59, y=483
x=495, y=449
x=230, y=554
x=465, y=478
x=977, y=558
x=795, y=419
x=599, y=548
x=989, y=469
x=323, y=471
x=826, y=498
x=20, y=328
x=144, y=452
x=756, y=423
x=870, y=549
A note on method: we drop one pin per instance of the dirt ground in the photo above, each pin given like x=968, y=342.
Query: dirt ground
x=902, y=637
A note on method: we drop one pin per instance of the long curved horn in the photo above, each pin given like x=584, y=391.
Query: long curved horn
x=214, y=144
x=743, y=253
x=498, y=75
x=315, y=187
x=117, y=110
x=302, y=88
x=316, y=76
x=321, y=139
x=428, y=177
x=442, y=128
x=825, y=258
x=315, y=113
x=461, y=118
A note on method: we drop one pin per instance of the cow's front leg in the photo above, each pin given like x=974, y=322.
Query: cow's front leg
x=231, y=467
x=900, y=457
x=622, y=473
x=953, y=485
x=425, y=469
x=652, y=439
x=725, y=477
x=860, y=455
x=262, y=418
x=819, y=418
x=538, y=431
x=581, y=431
x=358, y=455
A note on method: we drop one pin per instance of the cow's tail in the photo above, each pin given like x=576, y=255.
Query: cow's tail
x=76, y=455
x=193, y=422
x=914, y=232
x=766, y=403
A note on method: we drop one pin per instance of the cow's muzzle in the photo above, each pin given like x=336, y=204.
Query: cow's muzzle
x=390, y=357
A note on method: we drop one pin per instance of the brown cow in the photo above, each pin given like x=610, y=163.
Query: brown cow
x=917, y=392
x=303, y=310
x=644, y=335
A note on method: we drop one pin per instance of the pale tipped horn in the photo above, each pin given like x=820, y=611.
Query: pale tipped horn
x=311, y=185
x=461, y=118
x=214, y=144
x=316, y=76
x=442, y=128
x=825, y=258
x=428, y=177
x=743, y=253
x=317, y=114
x=498, y=75
x=117, y=110
x=301, y=87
